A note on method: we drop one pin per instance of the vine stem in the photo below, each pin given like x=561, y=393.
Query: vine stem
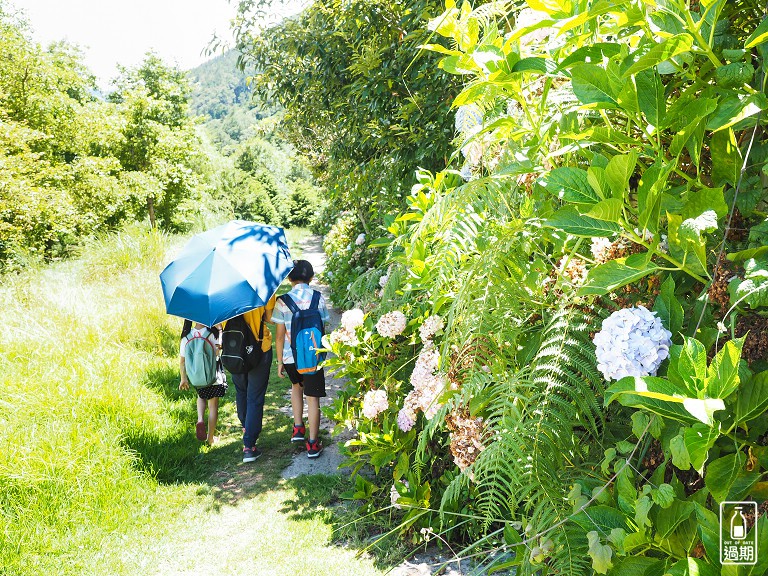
x=679, y=266
x=733, y=204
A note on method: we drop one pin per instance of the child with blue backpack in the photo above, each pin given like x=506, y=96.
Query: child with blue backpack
x=199, y=368
x=300, y=317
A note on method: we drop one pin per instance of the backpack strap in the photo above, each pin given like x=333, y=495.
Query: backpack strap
x=315, y=304
x=203, y=334
x=261, y=326
x=288, y=301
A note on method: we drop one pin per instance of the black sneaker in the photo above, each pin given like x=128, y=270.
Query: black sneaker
x=298, y=434
x=251, y=454
x=314, y=448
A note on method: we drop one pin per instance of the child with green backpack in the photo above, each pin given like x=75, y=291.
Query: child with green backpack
x=199, y=368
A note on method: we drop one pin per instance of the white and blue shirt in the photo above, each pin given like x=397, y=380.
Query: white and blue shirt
x=301, y=294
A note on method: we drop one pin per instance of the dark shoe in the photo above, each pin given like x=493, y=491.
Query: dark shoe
x=251, y=454
x=200, y=433
x=314, y=448
x=298, y=434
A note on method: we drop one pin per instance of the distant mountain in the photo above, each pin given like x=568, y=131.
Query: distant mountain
x=218, y=85
x=221, y=95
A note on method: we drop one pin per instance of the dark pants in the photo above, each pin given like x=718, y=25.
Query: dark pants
x=250, y=390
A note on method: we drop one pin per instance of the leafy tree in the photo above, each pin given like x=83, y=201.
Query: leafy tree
x=362, y=101
x=158, y=137
x=56, y=139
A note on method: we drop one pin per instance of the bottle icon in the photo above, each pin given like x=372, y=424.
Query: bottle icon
x=738, y=524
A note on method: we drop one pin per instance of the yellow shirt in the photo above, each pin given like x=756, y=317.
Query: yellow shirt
x=253, y=319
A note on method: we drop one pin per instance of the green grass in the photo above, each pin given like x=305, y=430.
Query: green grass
x=100, y=472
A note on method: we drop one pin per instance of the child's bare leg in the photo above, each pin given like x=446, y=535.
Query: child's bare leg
x=200, y=409
x=297, y=404
x=200, y=426
x=213, y=418
x=313, y=416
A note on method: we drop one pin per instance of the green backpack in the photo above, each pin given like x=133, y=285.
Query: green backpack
x=200, y=360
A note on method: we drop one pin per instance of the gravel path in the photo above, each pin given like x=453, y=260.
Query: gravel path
x=423, y=564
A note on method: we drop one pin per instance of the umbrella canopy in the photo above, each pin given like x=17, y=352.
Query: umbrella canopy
x=226, y=271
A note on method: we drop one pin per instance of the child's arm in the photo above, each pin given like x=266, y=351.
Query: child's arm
x=268, y=308
x=184, y=384
x=279, y=343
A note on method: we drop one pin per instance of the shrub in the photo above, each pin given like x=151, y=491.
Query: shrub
x=254, y=203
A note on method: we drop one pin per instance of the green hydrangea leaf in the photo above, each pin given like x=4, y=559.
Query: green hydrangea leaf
x=600, y=553
x=680, y=456
x=664, y=495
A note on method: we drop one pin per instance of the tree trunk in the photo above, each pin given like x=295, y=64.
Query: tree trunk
x=151, y=210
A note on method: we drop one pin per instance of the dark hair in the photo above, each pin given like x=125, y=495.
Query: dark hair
x=187, y=328
x=302, y=271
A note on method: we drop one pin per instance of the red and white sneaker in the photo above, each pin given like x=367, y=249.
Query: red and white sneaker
x=314, y=448
x=297, y=437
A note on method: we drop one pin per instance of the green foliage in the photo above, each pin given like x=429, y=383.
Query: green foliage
x=348, y=262
x=254, y=202
x=158, y=140
x=362, y=101
x=74, y=165
x=606, y=163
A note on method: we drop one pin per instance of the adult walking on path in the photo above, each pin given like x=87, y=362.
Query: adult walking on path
x=251, y=386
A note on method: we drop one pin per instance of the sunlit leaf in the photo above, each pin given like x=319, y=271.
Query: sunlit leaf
x=667, y=49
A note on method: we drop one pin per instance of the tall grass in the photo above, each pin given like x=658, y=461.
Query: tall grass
x=99, y=469
x=78, y=340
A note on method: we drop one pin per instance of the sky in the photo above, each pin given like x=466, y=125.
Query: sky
x=122, y=31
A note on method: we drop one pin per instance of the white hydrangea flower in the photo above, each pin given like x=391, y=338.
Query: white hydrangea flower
x=344, y=336
x=430, y=327
x=428, y=382
x=374, y=403
x=360, y=240
x=663, y=244
x=473, y=152
x=572, y=268
x=394, y=495
x=352, y=319
x=632, y=342
x=694, y=227
x=646, y=234
x=406, y=418
x=391, y=324
x=469, y=119
x=466, y=172
x=600, y=247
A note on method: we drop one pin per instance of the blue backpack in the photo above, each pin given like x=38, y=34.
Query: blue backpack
x=307, y=330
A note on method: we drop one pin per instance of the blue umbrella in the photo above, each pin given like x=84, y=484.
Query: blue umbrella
x=226, y=271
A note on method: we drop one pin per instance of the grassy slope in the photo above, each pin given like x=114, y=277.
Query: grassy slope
x=100, y=472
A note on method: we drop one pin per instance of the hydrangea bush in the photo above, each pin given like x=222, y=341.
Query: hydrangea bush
x=571, y=330
x=349, y=258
